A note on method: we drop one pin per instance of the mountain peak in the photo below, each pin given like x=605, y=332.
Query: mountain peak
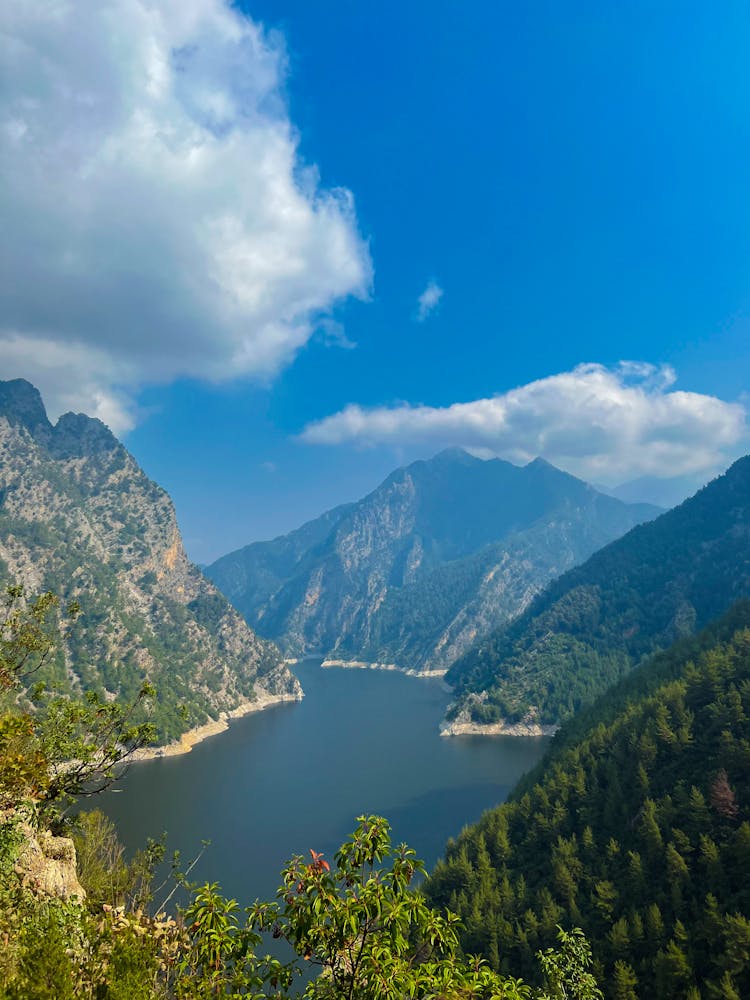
x=77, y=434
x=21, y=404
x=550, y=473
x=76, y=510
x=454, y=454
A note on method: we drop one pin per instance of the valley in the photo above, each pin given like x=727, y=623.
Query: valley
x=482, y=632
x=374, y=500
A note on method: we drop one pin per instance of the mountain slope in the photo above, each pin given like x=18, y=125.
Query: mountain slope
x=661, y=581
x=79, y=517
x=434, y=557
x=636, y=827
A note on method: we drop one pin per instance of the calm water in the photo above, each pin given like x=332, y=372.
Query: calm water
x=295, y=777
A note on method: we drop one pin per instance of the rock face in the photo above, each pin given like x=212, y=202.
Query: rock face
x=47, y=864
x=433, y=559
x=79, y=517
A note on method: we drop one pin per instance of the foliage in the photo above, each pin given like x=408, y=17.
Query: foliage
x=27, y=634
x=566, y=969
x=368, y=934
x=58, y=747
x=636, y=827
x=217, y=957
x=108, y=878
x=657, y=584
x=370, y=937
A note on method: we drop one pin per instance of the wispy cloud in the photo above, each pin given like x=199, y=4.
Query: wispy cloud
x=429, y=300
x=332, y=334
x=157, y=219
x=604, y=424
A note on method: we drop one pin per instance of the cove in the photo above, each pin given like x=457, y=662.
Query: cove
x=296, y=776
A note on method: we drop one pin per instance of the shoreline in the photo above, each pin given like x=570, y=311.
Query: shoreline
x=468, y=728
x=198, y=734
x=364, y=665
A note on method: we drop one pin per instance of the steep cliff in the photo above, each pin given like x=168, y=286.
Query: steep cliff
x=432, y=560
x=78, y=516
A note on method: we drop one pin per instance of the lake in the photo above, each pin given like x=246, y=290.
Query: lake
x=296, y=776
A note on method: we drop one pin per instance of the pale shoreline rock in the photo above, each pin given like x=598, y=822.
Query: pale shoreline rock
x=464, y=725
x=194, y=736
x=469, y=728
x=364, y=665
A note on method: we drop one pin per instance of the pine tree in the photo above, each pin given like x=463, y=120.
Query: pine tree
x=624, y=982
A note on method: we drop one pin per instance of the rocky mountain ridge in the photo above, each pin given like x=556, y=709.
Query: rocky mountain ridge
x=430, y=561
x=79, y=517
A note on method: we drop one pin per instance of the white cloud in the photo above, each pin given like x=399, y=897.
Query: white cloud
x=603, y=424
x=157, y=219
x=333, y=334
x=429, y=300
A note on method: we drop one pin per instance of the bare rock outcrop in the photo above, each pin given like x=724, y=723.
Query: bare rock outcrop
x=46, y=864
x=78, y=516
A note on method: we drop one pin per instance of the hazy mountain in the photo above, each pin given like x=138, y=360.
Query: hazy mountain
x=433, y=558
x=79, y=517
x=659, y=582
x=651, y=489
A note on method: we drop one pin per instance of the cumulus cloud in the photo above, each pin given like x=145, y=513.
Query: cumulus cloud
x=158, y=221
x=603, y=424
x=429, y=300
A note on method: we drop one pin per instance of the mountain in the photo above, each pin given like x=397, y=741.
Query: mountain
x=636, y=827
x=662, y=492
x=660, y=581
x=433, y=558
x=80, y=518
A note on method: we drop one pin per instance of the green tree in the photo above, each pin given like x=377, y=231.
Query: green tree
x=567, y=969
x=55, y=748
x=624, y=982
x=371, y=937
x=104, y=872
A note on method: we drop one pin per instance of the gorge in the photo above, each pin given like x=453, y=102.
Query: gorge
x=295, y=776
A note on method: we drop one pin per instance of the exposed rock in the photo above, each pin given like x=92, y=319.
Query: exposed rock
x=200, y=733
x=433, y=559
x=47, y=864
x=464, y=725
x=79, y=517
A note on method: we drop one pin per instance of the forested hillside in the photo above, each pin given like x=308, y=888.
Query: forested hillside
x=661, y=581
x=636, y=827
x=80, y=518
x=435, y=557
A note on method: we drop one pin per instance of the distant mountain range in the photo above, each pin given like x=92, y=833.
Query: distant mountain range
x=651, y=489
x=79, y=517
x=432, y=560
x=661, y=581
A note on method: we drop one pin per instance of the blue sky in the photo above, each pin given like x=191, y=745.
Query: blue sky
x=568, y=184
